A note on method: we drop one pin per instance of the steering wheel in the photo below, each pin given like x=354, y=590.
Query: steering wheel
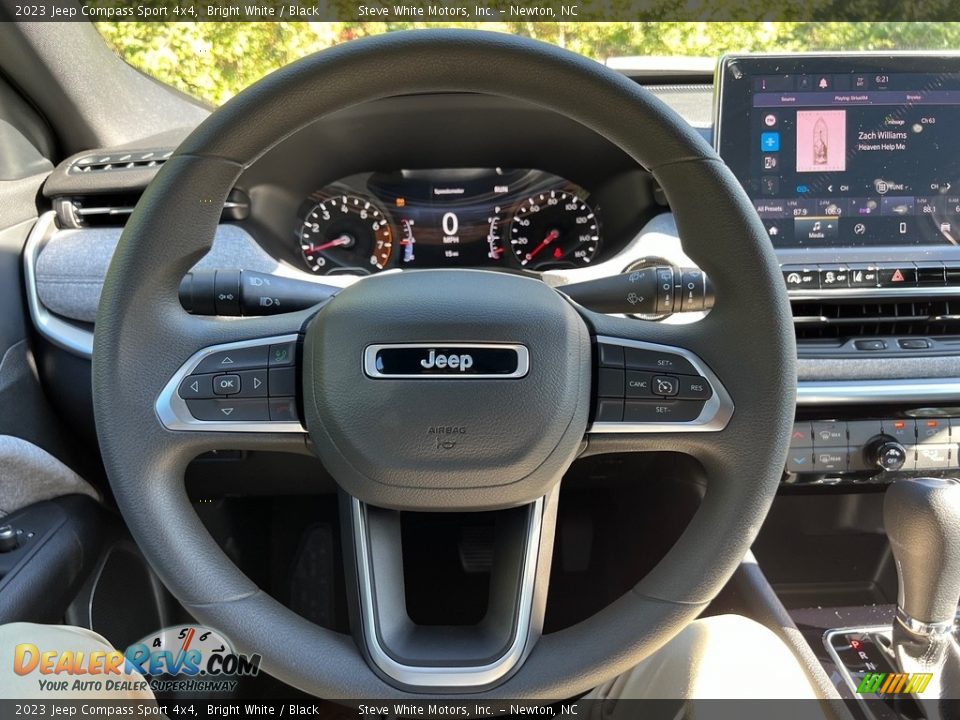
x=481, y=388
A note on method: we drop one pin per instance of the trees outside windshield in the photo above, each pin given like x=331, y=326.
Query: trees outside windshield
x=215, y=60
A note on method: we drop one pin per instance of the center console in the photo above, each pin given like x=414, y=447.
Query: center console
x=851, y=165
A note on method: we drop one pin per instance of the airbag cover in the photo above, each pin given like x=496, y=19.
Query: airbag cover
x=447, y=439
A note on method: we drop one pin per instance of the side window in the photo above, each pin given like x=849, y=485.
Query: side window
x=26, y=147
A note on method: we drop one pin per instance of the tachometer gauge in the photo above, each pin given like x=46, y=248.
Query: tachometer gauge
x=554, y=227
x=345, y=231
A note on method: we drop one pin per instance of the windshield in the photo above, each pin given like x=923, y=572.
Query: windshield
x=214, y=61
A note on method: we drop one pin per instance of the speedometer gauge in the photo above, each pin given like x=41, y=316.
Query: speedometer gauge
x=554, y=227
x=345, y=231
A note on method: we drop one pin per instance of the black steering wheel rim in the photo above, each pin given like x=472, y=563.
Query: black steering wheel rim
x=143, y=334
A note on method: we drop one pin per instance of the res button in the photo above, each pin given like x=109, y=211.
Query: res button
x=694, y=388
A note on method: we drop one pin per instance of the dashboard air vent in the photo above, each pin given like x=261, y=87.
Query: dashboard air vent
x=107, y=162
x=112, y=209
x=844, y=320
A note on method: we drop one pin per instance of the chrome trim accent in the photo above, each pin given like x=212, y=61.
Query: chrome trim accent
x=871, y=293
x=174, y=414
x=882, y=630
x=919, y=627
x=61, y=333
x=855, y=392
x=460, y=677
x=370, y=361
x=128, y=209
x=716, y=412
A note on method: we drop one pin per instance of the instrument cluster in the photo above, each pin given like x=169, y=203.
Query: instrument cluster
x=487, y=217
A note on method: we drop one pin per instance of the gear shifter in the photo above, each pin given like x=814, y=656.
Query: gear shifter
x=922, y=520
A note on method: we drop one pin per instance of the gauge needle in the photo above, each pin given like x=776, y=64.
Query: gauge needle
x=551, y=236
x=342, y=240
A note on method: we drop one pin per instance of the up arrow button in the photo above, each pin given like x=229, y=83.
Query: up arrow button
x=238, y=359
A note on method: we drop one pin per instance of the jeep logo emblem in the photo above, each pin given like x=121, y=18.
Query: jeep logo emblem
x=426, y=361
x=464, y=362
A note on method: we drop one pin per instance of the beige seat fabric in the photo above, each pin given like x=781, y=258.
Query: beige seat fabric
x=60, y=638
x=722, y=657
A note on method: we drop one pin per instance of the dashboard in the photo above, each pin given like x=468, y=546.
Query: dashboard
x=848, y=160
x=451, y=217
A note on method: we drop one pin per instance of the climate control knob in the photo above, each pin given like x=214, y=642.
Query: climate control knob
x=886, y=453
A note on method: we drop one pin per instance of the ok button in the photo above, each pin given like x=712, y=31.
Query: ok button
x=226, y=384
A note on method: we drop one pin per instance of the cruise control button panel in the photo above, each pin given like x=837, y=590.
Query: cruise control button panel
x=644, y=387
x=249, y=386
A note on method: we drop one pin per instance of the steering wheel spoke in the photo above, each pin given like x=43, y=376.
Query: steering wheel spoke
x=515, y=548
x=245, y=386
x=241, y=386
x=653, y=388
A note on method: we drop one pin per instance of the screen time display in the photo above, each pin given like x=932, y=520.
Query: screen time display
x=854, y=151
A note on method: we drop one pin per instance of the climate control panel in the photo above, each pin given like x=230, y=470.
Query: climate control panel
x=873, y=447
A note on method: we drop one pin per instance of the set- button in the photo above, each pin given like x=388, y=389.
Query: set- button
x=638, y=385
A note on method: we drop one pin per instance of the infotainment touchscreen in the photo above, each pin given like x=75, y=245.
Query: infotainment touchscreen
x=846, y=150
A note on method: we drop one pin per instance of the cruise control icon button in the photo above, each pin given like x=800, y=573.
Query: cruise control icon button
x=665, y=386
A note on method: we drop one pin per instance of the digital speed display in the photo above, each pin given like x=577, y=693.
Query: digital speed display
x=448, y=217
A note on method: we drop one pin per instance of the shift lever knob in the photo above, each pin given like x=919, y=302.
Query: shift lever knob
x=922, y=520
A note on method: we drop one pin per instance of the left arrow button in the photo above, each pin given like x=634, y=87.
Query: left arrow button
x=195, y=387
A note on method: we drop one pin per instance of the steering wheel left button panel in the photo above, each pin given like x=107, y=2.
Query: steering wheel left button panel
x=250, y=386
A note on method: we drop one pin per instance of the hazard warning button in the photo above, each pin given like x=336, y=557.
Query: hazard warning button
x=897, y=275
